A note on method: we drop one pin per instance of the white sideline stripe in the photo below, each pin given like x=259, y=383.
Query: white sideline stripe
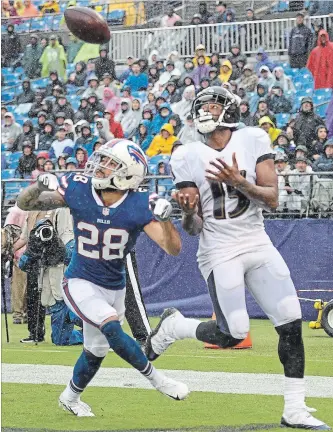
x=216, y=382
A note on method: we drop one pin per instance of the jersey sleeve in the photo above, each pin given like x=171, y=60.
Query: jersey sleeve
x=181, y=172
x=263, y=148
x=67, y=188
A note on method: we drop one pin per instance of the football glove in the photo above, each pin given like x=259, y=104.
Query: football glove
x=47, y=182
x=162, y=209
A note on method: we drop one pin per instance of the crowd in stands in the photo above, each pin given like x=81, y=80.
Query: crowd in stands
x=72, y=107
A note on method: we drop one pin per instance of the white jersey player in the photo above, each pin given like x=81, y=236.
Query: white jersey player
x=223, y=184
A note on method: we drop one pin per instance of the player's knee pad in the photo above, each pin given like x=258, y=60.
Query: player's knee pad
x=289, y=310
x=239, y=324
x=210, y=333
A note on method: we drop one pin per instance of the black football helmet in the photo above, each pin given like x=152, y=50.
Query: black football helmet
x=229, y=117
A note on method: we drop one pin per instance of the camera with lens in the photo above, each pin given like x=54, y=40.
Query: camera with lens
x=45, y=231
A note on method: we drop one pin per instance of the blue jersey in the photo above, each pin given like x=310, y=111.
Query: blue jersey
x=103, y=235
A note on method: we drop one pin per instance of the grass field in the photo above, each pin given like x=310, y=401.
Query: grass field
x=34, y=406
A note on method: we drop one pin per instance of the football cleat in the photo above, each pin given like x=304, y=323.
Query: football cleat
x=173, y=389
x=303, y=420
x=163, y=335
x=76, y=407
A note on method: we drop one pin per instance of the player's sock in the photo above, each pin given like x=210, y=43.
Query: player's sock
x=84, y=370
x=294, y=395
x=187, y=328
x=126, y=347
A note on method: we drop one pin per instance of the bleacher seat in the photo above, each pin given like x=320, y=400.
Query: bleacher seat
x=116, y=17
x=155, y=160
x=40, y=83
x=326, y=92
x=319, y=99
x=304, y=93
x=10, y=108
x=282, y=119
x=321, y=110
x=75, y=103
x=7, y=97
x=7, y=174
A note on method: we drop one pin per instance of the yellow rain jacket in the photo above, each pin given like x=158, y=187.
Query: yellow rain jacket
x=54, y=58
x=224, y=77
x=273, y=131
x=160, y=145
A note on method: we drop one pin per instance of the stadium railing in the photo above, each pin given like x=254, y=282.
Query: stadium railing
x=315, y=201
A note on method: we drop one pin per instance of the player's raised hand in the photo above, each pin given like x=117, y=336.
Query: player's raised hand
x=161, y=209
x=225, y=173
x=187, y=205
x=47, y=182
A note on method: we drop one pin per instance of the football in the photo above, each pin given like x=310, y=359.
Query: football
x=87, y=25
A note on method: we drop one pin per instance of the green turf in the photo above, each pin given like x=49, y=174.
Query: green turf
x=35, y=406
x=187, y=354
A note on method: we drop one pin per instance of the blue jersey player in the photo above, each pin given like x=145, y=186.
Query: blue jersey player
x=108, y=214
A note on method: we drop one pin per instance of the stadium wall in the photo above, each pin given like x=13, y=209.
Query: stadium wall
x=306, y=245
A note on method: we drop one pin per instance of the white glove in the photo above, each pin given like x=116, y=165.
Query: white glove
x=47, y=182
x=162, y=209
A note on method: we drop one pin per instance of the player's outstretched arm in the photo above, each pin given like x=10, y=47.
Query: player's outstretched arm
x=42, y=195
x=188, y=200
x=163, y=232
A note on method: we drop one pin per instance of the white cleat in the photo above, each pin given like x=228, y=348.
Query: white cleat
x=174, y=389
x=78, y=408
x=303, y=420
x=163, y=335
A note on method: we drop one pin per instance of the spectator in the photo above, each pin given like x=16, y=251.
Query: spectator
x=183, y=107
x=250, y=15
x=163, y=142
x=266, y=77
x=54, y=59
x=237, y=70
x=320, y=62
x=226, y=71
x=3, y=112
x=143, y=137
x=40, y=161
x=104, y=64
x=162, y=117
x=49, y=165
x=109, y=83
x=205, y=14
x=215, y=61
x=27, y=96
x=8, y=10
x=90, y=71
x=136, y=113
x=236, y=55
x=321, y=7
x=61, y=144
x=170, y=74
x=171, y=93
x=125, y=118
x=153, y=57
x=262, y=92
x=188, y=133
x=10, y=130
x=213, y=76
x=262, y=111
x=50, y=7
x=62, y=105
x=300, y=41
x=175, y=58
x=115, y=127
x=317, y=147
x=282, y=169
x=11, y=47
x=28, y=134
x=54, y=84
x=47, y=137
x=41, y=119
x=93, y=86
x=126, y=93
x=200, y=51
x=44, y=42
x=81, y=157
x=249, y=79
x=153, y=75
x=80, y=74
x=282, y=80
x=148, y=113
x=137, y=80
x=61, y=162
x=60, y=118
x=263, y=60
x=278, y=103
x=300, y=186
x=70, y=132
x=30, y=60
x=316, y=25
x=204, y=83
x=127, y=72
x=268, y=126
x=95, y=105
x=84, y=111
x=220, y=15
x=37, y=105
x=201, y=71
x=282, y=144
x=110, y=101
x=301, y=151
x=73, y=48
x=306, y=123
x=176, y=123
x=87, y=140
x=27, y=162
x=47, y=107
x=170, y=18
x=325, y=161
x=246, y=116
x=103, y=130
x=71, y=164
x=29, y=9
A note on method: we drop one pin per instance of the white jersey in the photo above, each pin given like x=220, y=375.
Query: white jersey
x=232, y=224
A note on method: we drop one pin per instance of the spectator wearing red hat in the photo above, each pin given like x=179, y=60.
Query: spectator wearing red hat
x=41, y=158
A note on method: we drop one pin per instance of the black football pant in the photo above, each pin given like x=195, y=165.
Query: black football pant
x=33, y=300
x=136, y=313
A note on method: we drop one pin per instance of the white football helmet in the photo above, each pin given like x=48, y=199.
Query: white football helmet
x=125, y=160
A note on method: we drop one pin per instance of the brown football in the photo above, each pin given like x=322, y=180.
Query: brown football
x=87, y=25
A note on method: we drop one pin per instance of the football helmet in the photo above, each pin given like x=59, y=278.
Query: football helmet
x=230, y=115
x=125, y=160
